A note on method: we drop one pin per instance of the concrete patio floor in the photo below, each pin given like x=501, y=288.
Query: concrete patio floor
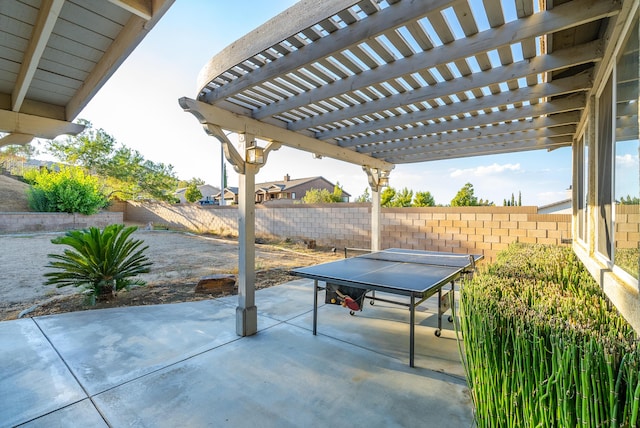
x=183, y=365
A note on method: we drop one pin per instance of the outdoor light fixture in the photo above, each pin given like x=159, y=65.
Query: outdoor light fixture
x=383, y=180
x=255, y=155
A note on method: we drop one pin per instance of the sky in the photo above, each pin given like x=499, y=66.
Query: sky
x=139, y=107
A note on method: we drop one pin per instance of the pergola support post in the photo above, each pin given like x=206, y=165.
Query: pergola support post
x=377, y=180
x=376, y=219
x=246, y=311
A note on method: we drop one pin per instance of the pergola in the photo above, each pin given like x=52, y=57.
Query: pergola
x=384, y=82
x=56, y=54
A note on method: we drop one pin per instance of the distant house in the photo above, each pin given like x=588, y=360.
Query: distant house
x=208, y=194
x=286, y=190
x=230, y=196
x=559, y=207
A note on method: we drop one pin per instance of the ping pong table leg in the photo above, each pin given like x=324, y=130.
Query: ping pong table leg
x=412, y=328
x=439, y=312
x=315, y=306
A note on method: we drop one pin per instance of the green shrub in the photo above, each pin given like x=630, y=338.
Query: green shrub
x=70, y=190
x=103, y=262
x=543, y=348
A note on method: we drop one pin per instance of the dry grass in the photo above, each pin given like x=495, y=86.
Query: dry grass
x=13, y=195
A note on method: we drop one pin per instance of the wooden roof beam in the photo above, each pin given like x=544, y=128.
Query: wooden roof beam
x=128, y=39
x=47, y=17
x=141, y=8
x=15, y=139
x=36, y=126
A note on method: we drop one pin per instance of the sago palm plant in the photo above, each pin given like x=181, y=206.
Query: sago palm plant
x=102, y=261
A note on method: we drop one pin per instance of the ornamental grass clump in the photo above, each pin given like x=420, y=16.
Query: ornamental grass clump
x=544, y=348
x=102, y=261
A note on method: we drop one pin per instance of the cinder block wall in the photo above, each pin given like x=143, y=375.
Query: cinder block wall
x=627, y=226
x=55, y=222
x=485, y=230
x=221, y=220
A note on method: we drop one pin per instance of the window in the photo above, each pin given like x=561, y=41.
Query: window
x=626, y=149
x=604, y=155
x=581, y=172
x=585, y=195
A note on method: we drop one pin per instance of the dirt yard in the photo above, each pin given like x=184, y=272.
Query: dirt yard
x=179, y=261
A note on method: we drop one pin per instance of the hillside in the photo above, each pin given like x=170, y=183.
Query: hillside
x=13, y=195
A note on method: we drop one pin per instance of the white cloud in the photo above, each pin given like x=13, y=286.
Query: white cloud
x=482, y=171
x=626, y=160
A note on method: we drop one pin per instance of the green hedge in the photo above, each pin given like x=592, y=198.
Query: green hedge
x=544, y=348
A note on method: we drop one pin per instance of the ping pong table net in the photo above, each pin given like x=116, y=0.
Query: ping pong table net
x=434, y=259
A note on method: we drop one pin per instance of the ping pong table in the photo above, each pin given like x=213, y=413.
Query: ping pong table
x=417, y=274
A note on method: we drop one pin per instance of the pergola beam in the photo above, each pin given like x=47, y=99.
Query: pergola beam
x=562, y=17
x=588, y=52
x=398, y=14
x=569, y=119
x=207, y=113
x=517, y=146
x=543, y=90
x=504, y=138
x=562, y=105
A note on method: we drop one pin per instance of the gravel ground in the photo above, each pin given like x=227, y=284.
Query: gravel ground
x=178, y=258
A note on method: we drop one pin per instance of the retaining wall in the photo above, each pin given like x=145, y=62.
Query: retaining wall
x=55, y=222
x=485, y=230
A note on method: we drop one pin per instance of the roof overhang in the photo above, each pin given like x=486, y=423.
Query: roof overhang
x=56, y=54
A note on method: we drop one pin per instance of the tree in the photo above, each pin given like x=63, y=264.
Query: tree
x=403, y=198
x=629, y=200
x=465, y=197
x=103, y=262
x=70, y=190
x=365, y=197
x=123, y=171
x=423, y=199
x=511, y=202
x=317, y=196
x=91, y=149
x=185, y=183
x=192, y=193
x=336, y=196
x=386, y=197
